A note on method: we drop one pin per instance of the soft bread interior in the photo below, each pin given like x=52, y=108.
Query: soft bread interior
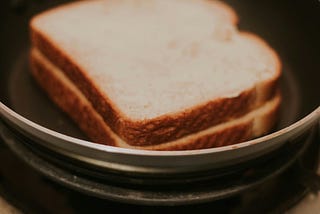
x=142, y=53
x=259, y=120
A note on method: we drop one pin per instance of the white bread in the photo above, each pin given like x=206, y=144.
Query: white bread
x=69, y=98
x=158, y=70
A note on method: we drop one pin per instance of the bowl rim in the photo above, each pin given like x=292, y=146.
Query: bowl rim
x=23, y=122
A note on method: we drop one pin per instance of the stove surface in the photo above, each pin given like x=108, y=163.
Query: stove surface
x=23, y=188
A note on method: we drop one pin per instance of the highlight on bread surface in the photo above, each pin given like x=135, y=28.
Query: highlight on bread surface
x=155, y=71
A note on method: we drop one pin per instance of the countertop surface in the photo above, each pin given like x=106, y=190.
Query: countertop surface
x=309, y=205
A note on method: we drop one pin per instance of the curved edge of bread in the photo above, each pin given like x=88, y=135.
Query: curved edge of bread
x=70, y=99
x=168, y=127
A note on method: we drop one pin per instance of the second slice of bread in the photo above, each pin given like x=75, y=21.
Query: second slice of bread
x=158, y=70
x=70, y=99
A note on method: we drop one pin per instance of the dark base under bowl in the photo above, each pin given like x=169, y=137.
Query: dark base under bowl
x=172, y=189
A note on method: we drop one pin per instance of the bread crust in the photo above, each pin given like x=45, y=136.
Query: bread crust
x=166, y=127
x=83, y=113
x=65, y=98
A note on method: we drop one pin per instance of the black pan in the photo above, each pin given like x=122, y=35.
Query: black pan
x=290, y=27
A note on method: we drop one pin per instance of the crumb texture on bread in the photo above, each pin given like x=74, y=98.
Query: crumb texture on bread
x=156, y=73
x=66, y=95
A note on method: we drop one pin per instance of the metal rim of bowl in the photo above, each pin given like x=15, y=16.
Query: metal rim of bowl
x=23, y=123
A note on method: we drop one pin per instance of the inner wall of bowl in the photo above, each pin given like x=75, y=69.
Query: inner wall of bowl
x=288, y=30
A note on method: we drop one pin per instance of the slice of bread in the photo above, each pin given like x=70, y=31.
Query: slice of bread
x=69, y=98
x=158, y=70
